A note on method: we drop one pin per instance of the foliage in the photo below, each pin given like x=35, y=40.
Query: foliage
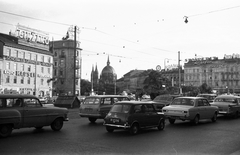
x=204, y=88
x=153, y=84
x=85, y=87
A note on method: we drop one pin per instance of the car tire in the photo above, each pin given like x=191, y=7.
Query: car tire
x=92, y=120
x=161, y=124
x=236, y=114
x=134, y=129
x=109, y=129
x=5, y=130
x=57, y=124
x=196, y=120
x=214, y=118
x=171, y=120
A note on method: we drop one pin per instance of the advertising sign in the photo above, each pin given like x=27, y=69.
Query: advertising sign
x=32, y=37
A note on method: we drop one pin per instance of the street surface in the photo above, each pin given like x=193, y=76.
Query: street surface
x=78, y=136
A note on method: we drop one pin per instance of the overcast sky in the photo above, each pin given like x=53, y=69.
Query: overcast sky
x=136, y=34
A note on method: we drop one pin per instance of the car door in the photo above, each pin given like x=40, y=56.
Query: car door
x=140, y=115
x=105, y=105
x=151, y=115
x=209, y=111
x=201, y=109
x=33, y=113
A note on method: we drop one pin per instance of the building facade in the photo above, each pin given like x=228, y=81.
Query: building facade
x=222, y=75
x=26, y=62
x=63, y=67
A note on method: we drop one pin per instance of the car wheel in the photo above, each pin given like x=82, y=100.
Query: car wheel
x=39, y=127
x=161, y=125
x=109, y=128
x=57, y=124
x=171, y=121
x=5, y=130
x=134, y=129
x=92, y=120
x=214, y=118
x=196, y=120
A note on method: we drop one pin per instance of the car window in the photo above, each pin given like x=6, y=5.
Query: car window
x=205, y=102
x=227, y=100
x=200, y=103
x=31, y=103
x=149, y=108
x=121, y=108
x=183, y=101
x=137, y=109
x=10, y=102
x=106, y=101
x=91, y=101
x=123, y=99
x=1, y=103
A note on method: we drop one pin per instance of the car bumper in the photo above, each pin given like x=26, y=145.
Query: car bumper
x=90, y=115
x=125, y=126
x=181, y=117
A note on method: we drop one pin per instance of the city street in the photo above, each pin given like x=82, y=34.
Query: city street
x=78, y=136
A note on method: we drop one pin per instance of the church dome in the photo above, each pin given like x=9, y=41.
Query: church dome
x=108, y=70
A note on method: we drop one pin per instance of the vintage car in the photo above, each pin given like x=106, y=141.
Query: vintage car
x=22, y=111
x=163, y=100
x=210, y=97
x=97, y=106
x=133, y=116
x=228, y=105
x=190, y=108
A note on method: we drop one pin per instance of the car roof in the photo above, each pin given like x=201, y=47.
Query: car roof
x=227, y=96
x=17, y=96
x=102, y=96
x=190, y=97
x=134, y=102
x=208, y=94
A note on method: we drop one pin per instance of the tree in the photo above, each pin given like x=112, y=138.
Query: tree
x=204, y=88
x=85, y=87
x=153, y=84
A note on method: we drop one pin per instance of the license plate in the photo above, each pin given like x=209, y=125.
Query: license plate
x=114, y=120
x=88, y=109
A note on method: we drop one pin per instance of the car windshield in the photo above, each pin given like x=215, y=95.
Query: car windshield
x=183, y=101
x=120, y=108
x=91, y=101
x=163, y=98
x=207, y=96
x=227, y=100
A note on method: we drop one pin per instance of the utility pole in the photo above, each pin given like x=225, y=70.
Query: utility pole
x=179, y=72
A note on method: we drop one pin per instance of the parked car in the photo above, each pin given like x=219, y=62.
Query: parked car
x=210, y=97
x=133, y=116
x=228, y=105
x=163, y=100
x=190, y=108
x=97, y=107
x=22, y=111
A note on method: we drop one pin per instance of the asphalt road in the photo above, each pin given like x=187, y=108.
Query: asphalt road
x=78, y=136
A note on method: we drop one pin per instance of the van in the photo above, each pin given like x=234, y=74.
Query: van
x=97, y=107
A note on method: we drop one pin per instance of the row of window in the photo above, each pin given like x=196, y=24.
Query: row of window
x=24, y=67
x=23, y=80
x=27, y=55
x=197, y=70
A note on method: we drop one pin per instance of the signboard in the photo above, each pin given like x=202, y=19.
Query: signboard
x=158, y=68
x=32, y=37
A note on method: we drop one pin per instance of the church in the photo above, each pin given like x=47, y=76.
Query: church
x=106, y=84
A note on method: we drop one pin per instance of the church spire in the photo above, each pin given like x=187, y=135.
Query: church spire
x=108, y=62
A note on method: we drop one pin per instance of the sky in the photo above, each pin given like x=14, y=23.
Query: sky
x=135, y=34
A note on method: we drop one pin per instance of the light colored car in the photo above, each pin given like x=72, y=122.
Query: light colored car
x=24, y=111
x=210, y=97
x=133, y=116
x=228, y=105
x=98, y=106
x=190, y=108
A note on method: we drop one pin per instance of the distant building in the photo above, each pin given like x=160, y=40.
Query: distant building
x=25, y=62
x=108, y=75
x=221, y=75
x=63, y=67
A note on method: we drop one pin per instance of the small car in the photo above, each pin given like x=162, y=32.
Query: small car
x=133, y=116
x=98, y=106
x=228, y=105
x=190, y=108
x=163, y=100
x=23, y=111
x=210, y=97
